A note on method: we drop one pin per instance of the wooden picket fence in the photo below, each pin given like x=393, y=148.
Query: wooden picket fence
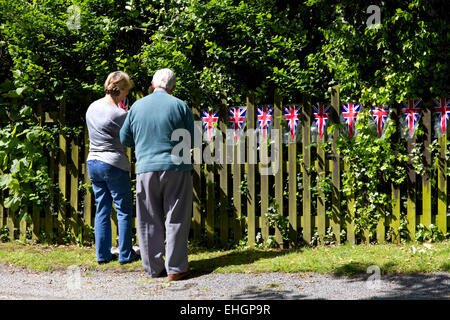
x=232, y=200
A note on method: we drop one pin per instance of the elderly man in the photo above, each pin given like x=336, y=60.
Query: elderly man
x=163, y=182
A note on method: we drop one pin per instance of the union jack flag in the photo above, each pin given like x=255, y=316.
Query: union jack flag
x=321, y=113
x=236, y=117
x=442, y=106
x=350, y=113
x=411, y=110
x=291, y=114
x=210, y=119
x=265, y=114
x=123, y=104
x=380, y=115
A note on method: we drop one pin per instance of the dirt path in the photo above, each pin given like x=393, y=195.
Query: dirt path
x=77, y=284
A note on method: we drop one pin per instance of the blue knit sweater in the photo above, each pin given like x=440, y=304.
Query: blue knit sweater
x=148, y=128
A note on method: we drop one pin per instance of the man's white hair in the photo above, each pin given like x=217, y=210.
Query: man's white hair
x=164, y=78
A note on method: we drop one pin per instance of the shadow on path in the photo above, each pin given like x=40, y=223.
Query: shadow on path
x=435, y=286
x=205, y=266
x=420, y=286
x=267, y=293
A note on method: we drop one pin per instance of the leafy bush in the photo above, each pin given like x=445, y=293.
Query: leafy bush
x=4, y=234
x=431, y=234
x=372, y=164
x=25, y=173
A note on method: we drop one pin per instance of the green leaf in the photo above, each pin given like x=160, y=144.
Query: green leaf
x=19, y=91
x=5, y=180
x=12, y=203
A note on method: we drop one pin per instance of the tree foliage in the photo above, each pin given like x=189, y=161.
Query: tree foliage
x=227, y=47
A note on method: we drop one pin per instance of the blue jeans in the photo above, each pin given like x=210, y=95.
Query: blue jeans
x=111, y=184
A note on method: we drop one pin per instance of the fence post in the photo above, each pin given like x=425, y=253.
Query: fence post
x=11, y=223
x=351, y=217
x=335, y=168
x=441, y=218
x=88, y=196
x=197, y=184
x=426, y=180
x=2, y=209
x=292, y=187
x=306, y=124
x=264, y=183
x=36, y=220
x=223, y=196
x=411, y=192
x=321, y=173
x=237, y=200
x=380, y=228
x=210, y=201
x=62, y=168
x=36, y=214
x=250, y=169
x=23, y=225
x=74, y=174
x=49, y=216
x=279, y=173
x=395, y=218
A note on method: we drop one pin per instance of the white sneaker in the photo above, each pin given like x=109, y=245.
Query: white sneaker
x=114, y=251
x=137, y=250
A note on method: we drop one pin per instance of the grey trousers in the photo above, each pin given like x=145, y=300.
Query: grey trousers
x=163, y=210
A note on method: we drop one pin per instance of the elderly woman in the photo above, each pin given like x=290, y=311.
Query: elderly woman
x=108, y=169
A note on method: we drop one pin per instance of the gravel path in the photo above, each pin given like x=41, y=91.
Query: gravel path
x=77, y=284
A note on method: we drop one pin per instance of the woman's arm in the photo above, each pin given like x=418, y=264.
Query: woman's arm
x=126, y=135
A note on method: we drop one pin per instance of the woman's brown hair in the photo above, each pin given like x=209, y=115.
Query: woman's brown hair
x=117, y=81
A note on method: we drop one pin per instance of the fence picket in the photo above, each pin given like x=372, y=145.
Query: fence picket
x=62, y=169
x=210, y=203
x=396, y=214
x=2, y=210
x=224, y=225
x=335, y=168
x=264, y=182
x=36, y=223
x=279, y=174
x=426, y=177
x=88, y=201
x=411, y=194
x=250, y=171
x=49, y=217
x=321, y=174
x=381, y=228
x=74, y=174
x=196, y=224
x=292, y=187
x=10, y=222
x=306, y=176
x=236, y=168
x=441, y=218
x=351, y=237
x=394, y=221
x=22, y=225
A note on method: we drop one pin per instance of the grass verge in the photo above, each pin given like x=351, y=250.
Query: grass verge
x=340, y=260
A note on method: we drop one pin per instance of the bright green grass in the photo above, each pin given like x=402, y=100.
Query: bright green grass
x=344, y=259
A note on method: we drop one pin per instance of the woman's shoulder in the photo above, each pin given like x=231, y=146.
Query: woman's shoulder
x=95, y=104
x=104, y=106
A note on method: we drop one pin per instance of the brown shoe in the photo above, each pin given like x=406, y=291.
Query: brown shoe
x=162, y=274
x=178, y=276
